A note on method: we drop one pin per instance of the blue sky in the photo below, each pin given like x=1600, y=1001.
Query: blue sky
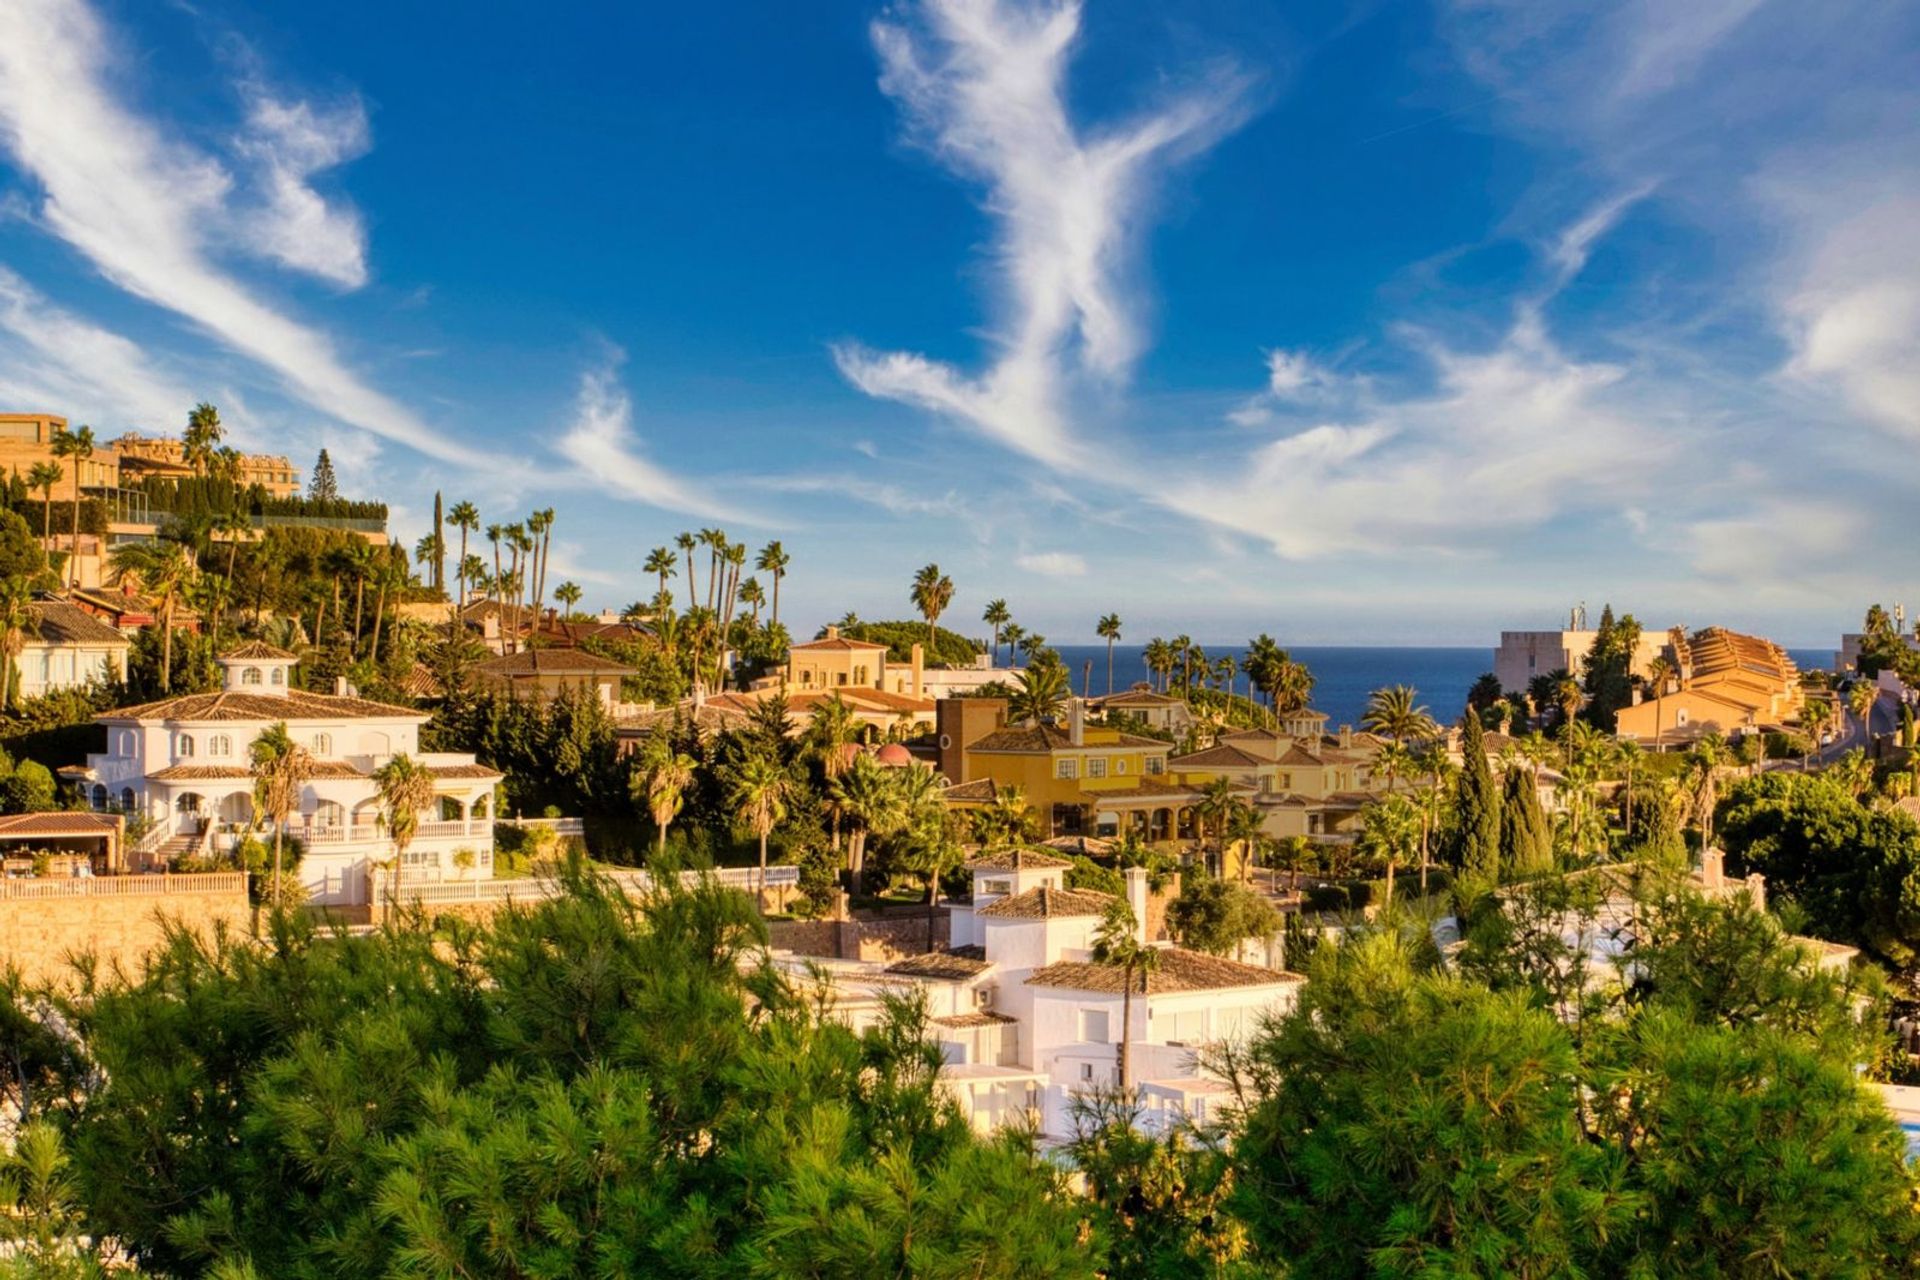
x=1395, y=323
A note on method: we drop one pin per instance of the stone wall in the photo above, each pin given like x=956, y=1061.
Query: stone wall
x=117, y=918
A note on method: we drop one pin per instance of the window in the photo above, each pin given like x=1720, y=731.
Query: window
x=1093, y=1026
x=123, y=743
x=1067, y=769
x=1096, y=766
x=1156, y=764
x=1086, y=1071
x=1120, y=765
x=1189, y=1027
x=322, y=744
x=219, y=746
x=183, y=747
x=279, y=675
x=126, y=799
x=250, y=675
x=996, y=886
x=1286, y=782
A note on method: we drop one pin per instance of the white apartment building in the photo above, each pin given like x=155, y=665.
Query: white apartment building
x=185, y=763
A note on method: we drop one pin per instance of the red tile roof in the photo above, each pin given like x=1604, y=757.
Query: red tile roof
x=1017, y=860
x=1217, y=757
x=549, y=662
x=56, y=622
x=295, y=704
x=258, y=650
x=29, y=825
x=1178, y=970
x=1047, y=903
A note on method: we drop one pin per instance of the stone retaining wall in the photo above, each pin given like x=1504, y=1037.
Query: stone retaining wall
x=39, y=934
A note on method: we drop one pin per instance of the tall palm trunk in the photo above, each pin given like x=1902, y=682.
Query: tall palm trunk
x=74, y=568
x=1126, y=1028
x=166, y=643
x=379, y=613
x=359, y=602
x=1109, y=666
x=777, y=575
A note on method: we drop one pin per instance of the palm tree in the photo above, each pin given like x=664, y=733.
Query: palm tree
x=661, y=782
x=996, y=616
x=77, y=445
x=1108, y=629
x=1012, y=633
x=1393, y=713
x=203, y=434
x=759, y=792
x=1390, y=829
x=1117, y=942
x=686, y=542
x=1703, y=767
x=496, y=532
x=1628, y=755
x=466, y=518
x=931, y=594
x=16, y=617
x=1815, y=714
x=1861, y=696
x=714, y=540
x=663, y=564
x=281, y=768
x=1042, y=691
x=1008, y=820
x=1394, y=760
x=1159, y=658
x=1659, y=674
x=1216, y=808
x=753, y=597
x=405, y=787
x=867, y=795
x=932, y=853
x=43, y=476
x=1183, y=654
x=773, y=559
x=164, y=568
x=568, y=594
x=1568, y=694
x=1433, y=764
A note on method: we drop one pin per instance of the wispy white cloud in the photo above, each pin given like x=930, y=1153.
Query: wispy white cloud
x=294, y=224
x=892, y=498
x=1053, y=564
x=982, y=86
x=146, y=209
x=601, y=444
x=65, y=360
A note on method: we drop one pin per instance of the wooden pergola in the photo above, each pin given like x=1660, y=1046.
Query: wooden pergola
x=97, y=836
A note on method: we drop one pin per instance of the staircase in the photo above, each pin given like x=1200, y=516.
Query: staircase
x=182, y=846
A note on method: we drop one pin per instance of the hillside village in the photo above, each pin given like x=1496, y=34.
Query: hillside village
x=223, y=707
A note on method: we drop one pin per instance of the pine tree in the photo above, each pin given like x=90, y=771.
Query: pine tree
x=1526, y=843
x=1477, y=817
x=324, y=487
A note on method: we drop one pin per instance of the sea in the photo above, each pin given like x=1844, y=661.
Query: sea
x=1345, y=675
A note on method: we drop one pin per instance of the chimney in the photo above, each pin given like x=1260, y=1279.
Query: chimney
x=1713, y=869
x=919, y=666
x=1346, y=736
x=833, y=632
x=1137, y=900
x=1077, y=721
x=341, y=688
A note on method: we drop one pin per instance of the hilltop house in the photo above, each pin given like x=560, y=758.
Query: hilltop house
x=183, y=763
x=65, y=647
x=1303, y=781
x=543, y=674
x=1026, y=1020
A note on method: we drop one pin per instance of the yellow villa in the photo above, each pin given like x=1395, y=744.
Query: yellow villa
x=1303, y=781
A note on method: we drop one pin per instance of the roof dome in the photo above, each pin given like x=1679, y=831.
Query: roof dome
x=894, y=756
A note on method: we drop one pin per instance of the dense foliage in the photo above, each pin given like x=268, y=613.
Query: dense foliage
x=591, y=1088
x=949, y=648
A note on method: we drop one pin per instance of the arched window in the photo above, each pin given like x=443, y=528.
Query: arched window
x=123, y=743
x=183, y=747
x=126, y=799
x=99, y=796
x=322, y=744
x=250, y=675
x=279, y=675
x=219, y=746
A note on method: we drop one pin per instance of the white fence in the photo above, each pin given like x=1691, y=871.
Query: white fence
x=137, y=886
x=541, y=888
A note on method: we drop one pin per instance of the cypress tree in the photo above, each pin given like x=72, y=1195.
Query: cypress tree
x=1477, y=816
x=440, y=545
x=1526, y=843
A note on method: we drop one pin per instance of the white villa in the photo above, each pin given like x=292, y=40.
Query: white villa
x=1025, y=1019
x=184, y=762
x=65, y=647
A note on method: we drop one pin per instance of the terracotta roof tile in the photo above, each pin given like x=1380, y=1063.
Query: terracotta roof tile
x=28, y=825
x=984, y=1018
x=947, y=966
x=56, y=622
x=295, y=704
x=1178, y=970
x=259, y=650
x=1035, y=738
x=1048, y=904
x=1222, y=756
x=1017, y=860
x=978, y=790
x=543, y=662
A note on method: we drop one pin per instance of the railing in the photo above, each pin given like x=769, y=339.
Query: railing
x=157, y=835
x=479, y=828
x=539, y=888
x=356, y=524
x=559, y=826
x=163, y=885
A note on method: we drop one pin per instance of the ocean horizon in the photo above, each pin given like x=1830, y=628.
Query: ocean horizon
x=1346, y=675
